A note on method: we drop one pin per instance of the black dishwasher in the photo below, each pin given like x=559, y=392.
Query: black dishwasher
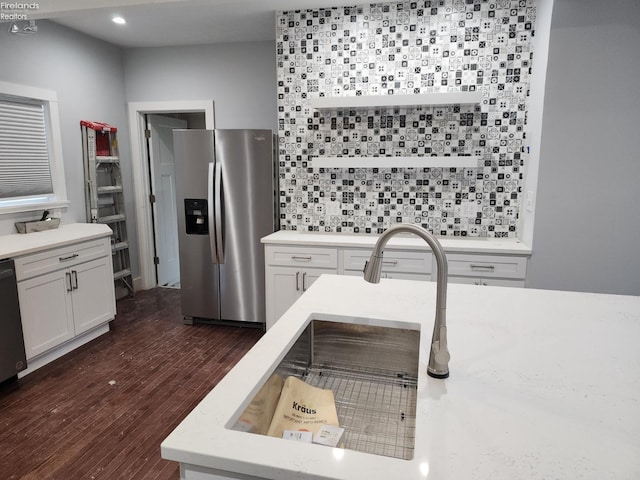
x=12, y=354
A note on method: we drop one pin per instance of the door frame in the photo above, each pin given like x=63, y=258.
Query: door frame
x=140, y=167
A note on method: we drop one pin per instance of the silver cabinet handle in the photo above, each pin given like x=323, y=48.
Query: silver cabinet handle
x=297, y=281
x=389, y=262
x=304, y=276
x=305, y=258
x=483, y=267
x=74, y=280
x=64, y=259
x=69, y=285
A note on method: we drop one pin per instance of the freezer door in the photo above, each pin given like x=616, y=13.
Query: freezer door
x=245, y=163
x=194, y=154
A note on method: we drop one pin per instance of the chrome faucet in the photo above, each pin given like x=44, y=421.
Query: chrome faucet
x=439, y=355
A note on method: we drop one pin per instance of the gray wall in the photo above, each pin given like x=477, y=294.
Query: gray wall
x=87, y=75
x=239, y=77
x=587, y=220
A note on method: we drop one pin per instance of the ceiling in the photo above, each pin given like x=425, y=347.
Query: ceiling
x=155, y=23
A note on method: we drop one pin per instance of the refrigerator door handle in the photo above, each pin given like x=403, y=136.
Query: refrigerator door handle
x=218, y=205
x=210, y=214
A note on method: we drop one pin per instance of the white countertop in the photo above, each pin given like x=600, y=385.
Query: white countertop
x=18, y=244
x=511, y=246
x=543, y=385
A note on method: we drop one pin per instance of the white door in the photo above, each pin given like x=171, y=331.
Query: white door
x=164, y=210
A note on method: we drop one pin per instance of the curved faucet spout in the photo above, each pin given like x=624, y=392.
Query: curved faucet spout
x=439, y=354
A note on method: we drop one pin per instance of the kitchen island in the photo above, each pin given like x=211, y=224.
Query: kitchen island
x=544, y=384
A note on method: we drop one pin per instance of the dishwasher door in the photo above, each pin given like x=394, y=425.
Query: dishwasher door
x=12, y=354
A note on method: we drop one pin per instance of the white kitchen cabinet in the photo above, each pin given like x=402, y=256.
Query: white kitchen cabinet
x=295, y=260
x=46, y=312
x=64, y=293
x=487, y=270
x=290, y=271
x=92, y=302
x=399, y=264
x=284, y=287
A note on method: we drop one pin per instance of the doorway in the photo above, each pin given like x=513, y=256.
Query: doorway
x=152, y=162
x=163, y=196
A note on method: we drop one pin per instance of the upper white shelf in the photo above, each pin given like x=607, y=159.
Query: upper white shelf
x=396, y=162
x=415, y=100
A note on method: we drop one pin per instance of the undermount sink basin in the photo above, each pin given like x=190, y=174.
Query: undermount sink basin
x=372, y=371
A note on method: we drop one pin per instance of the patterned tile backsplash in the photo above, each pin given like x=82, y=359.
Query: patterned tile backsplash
x=397, y=49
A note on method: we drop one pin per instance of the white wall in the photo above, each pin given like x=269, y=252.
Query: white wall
x=587, y=225
x=239, y=77
x=87, y=75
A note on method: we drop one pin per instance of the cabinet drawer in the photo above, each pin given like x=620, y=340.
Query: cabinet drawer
x=394, y=276
x=301, y=256
x=487, y=282
x=62, y=257
x=394, y=261
x=487, y=266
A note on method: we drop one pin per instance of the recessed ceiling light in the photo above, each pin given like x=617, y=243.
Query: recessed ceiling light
x=119, y=20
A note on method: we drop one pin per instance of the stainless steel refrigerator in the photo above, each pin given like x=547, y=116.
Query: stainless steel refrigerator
x=226, y=196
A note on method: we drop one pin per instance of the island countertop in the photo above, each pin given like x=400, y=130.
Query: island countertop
x=544, y=384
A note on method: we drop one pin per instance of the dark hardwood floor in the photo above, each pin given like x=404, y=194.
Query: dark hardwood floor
x=69, y=420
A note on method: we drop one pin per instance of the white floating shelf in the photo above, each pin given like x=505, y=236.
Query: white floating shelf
x=395, y=162
x=415, y=100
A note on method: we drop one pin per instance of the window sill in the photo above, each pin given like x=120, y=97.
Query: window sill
x=32, y=207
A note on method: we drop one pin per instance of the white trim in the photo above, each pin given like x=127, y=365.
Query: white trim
x=396, y=162
x=27, y=91
x=535, y=118
x=57, y=165
x=144, y=222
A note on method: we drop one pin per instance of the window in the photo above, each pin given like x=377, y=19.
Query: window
x=31, y=169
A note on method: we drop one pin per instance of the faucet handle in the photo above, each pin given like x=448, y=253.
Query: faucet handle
x=440, y=356
x=440, y=352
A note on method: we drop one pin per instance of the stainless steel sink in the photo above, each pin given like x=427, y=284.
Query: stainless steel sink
x=372, y=371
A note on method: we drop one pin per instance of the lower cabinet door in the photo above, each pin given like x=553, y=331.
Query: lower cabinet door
x=310, y=275
x=285, y=285
x=46, y=310
x=283, y=289
x=93, y=294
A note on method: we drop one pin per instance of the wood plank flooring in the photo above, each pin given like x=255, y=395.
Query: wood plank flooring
x=69, y=420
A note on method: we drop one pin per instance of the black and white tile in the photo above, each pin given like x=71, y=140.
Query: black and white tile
x=396, y=49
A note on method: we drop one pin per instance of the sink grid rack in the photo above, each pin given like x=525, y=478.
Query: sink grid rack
x=376, y=409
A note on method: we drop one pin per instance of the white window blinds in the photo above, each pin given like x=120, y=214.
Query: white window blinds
x=24, y=153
